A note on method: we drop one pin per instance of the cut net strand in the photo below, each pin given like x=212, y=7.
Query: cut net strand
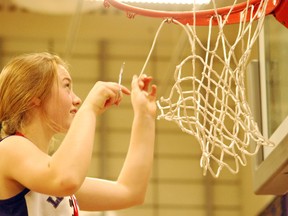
x=210, y=103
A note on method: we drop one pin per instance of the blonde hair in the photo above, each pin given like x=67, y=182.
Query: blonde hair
x=24, y=78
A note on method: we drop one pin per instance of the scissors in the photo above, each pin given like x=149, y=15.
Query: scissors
x=120, y=76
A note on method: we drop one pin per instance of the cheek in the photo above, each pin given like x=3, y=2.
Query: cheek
x=62, y=108
x=52, y=111
x=58, y=116
x=57, y=109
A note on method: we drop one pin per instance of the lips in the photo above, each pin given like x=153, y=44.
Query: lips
x=74, y=111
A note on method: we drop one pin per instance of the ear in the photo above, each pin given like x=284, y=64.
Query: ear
x=36, y=101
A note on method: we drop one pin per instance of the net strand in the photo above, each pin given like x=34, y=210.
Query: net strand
x=214, y=108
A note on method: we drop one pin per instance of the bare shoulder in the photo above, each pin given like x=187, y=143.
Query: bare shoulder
x=10, y=147
x=12, y=151
x=14, y=144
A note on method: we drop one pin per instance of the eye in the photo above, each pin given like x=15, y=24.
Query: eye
x=68, y=85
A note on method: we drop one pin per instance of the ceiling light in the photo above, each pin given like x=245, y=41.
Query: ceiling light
x=169, y=1
x=58, y=6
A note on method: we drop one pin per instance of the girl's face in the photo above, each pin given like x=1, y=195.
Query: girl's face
x=62, y=104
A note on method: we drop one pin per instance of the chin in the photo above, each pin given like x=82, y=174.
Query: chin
x=61, y=129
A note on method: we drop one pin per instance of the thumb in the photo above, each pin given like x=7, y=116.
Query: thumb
x=135, y=84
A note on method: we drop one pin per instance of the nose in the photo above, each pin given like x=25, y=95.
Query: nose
x=76, y=100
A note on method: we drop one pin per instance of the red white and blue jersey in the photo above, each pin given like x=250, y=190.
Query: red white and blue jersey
x=29, y=203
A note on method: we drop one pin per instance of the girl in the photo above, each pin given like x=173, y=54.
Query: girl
x=36, y=102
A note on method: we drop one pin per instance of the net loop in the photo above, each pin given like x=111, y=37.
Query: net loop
x=130, y=15
x=208, y=100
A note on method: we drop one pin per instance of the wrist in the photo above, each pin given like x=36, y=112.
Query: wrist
x=86, y=108
x=144, y=116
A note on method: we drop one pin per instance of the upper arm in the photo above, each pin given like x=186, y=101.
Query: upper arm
x=23, y=162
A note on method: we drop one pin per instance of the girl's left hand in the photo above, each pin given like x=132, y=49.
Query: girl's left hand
x=143, y=100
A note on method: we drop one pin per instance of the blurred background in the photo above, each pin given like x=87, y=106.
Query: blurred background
x=96, y=41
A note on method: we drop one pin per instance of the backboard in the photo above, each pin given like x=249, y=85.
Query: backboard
x=268, y=96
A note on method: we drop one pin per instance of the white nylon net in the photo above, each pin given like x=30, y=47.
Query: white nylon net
x=208, y=100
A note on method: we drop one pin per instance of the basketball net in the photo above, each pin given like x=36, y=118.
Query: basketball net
x=209, y=101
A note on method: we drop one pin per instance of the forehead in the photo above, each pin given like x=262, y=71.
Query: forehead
x=63, y=73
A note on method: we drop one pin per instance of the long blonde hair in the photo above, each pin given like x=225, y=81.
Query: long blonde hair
x=24, y=78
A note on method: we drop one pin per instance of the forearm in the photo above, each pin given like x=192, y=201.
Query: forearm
x=136, y=171
x=131, y=185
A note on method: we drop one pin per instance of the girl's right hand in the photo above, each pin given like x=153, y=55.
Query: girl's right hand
x=103, y=95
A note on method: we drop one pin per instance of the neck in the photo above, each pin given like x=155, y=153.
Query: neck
x=39, y=134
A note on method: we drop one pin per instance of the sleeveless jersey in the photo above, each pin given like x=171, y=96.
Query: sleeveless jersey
x=29, y=203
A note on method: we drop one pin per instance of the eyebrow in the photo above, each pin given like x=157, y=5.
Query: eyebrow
x=67, y=78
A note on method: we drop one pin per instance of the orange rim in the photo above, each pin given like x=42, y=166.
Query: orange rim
x=186, y=17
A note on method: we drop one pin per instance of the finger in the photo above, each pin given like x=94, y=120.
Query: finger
x=110, y=102
x=114, y=94
x=135, y=83
x=153, y=92
x=119, y=88
x=120, y=96
x=113, y=100
x=124, y=90
x=141, y=82
x=146, y=81
x=110, y=98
